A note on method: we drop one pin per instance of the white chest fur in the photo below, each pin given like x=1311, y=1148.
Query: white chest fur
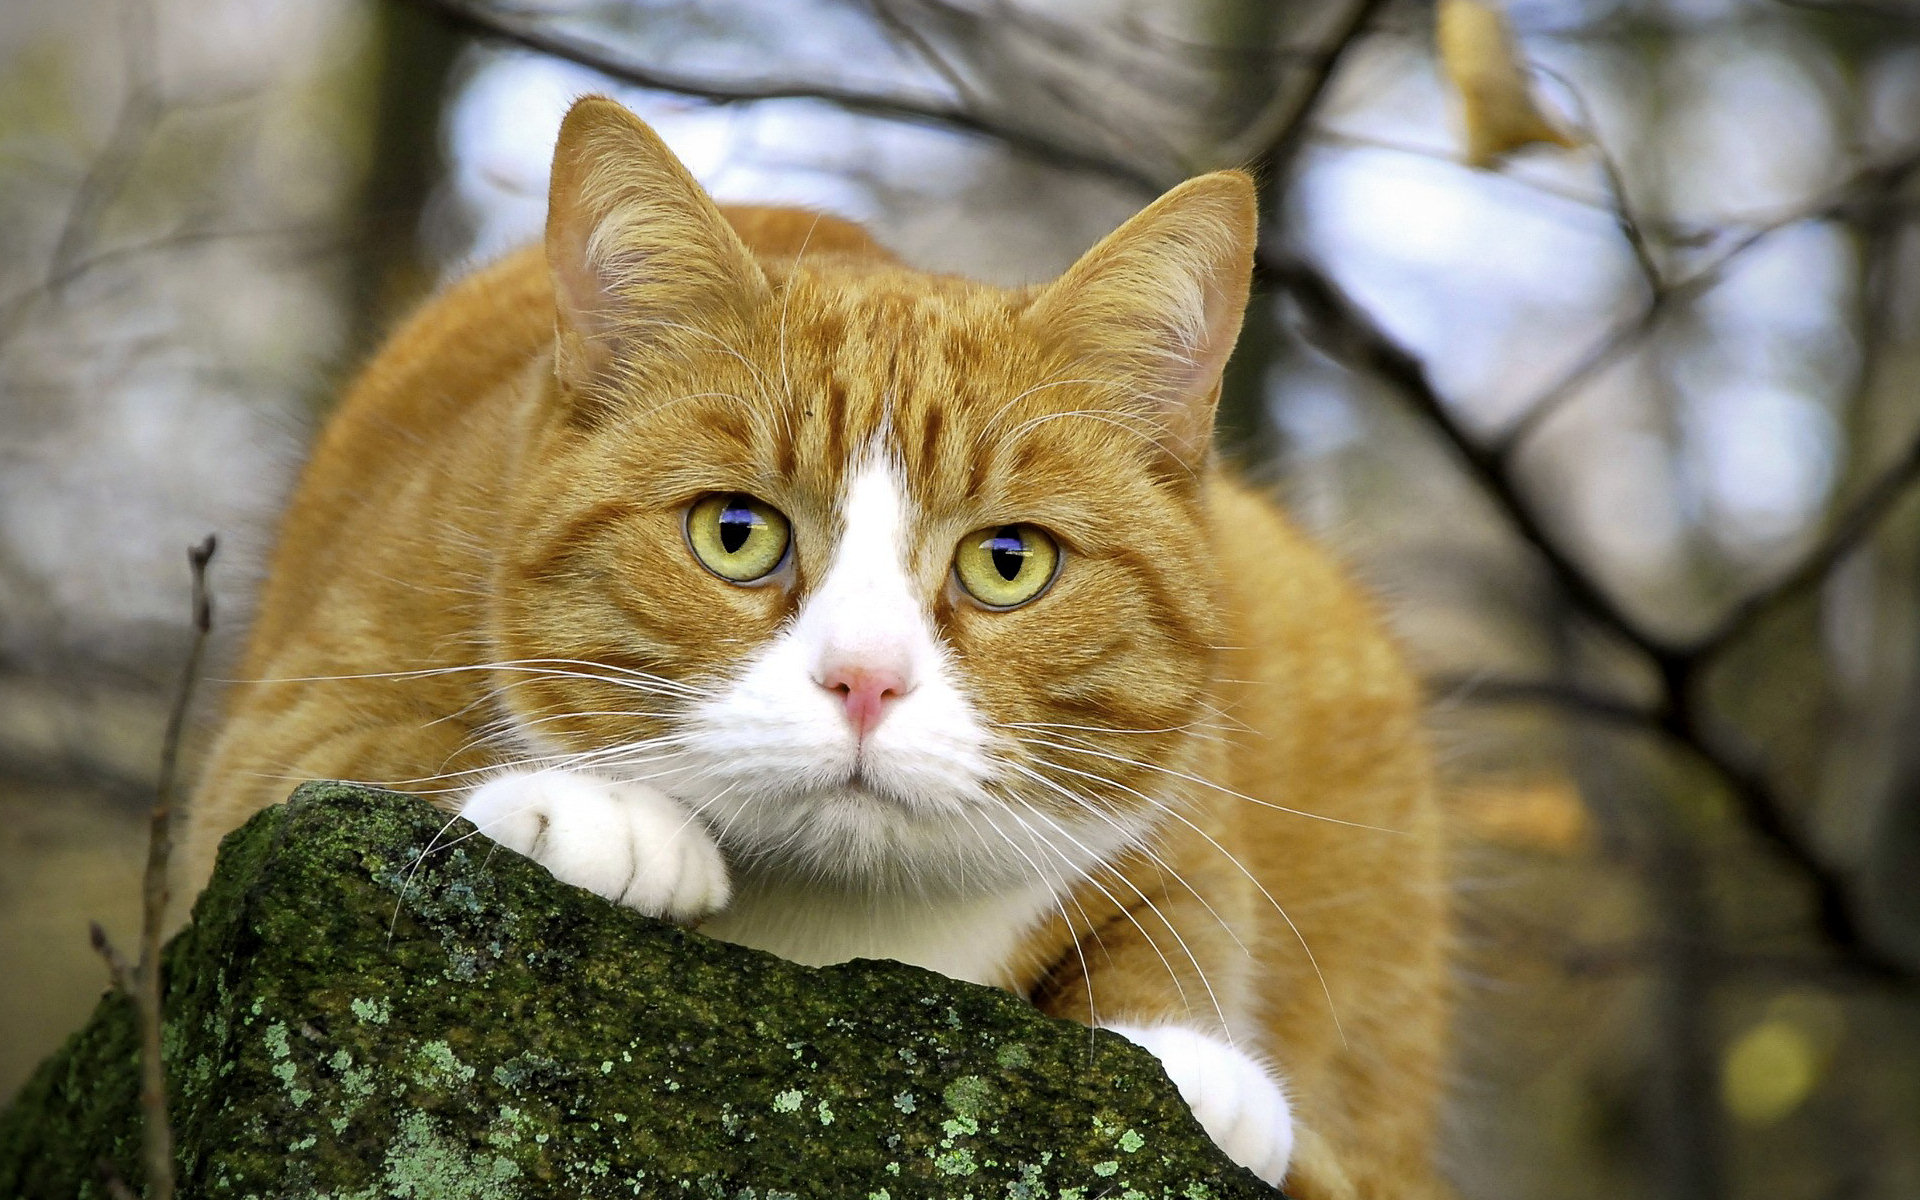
x=970, y=939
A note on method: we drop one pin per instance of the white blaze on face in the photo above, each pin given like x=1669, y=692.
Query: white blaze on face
x=867, y=617
x=897, y=797
x=784, y=758
x=779, y=766
x=825, y=802
x=865, y=627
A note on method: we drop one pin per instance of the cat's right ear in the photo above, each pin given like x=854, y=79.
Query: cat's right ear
x=644, y=265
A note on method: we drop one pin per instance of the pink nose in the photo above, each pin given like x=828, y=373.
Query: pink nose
x=866, y=691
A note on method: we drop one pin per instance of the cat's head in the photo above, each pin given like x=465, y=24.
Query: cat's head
x=895, y=578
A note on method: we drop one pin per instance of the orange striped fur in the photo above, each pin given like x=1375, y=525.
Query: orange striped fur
x=500, y=486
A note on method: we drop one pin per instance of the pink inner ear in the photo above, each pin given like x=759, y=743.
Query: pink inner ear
x=581, y=300
x=587, y=280
x=577, y=287
x=1199, y=355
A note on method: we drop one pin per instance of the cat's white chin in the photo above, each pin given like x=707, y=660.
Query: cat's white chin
x=1235, y=1098
x=879, y=840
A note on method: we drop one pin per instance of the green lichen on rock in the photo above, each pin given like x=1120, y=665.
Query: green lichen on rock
x=370, y=1003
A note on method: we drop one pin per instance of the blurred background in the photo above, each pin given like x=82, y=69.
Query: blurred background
x=1625, y=431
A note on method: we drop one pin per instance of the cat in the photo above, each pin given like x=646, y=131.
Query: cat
x=735, y=571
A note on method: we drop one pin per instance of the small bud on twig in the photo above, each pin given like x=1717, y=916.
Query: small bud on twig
x=116, y=965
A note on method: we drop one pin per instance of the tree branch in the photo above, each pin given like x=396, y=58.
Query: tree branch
x=1875, y=183
x=140, y=111
x=141, y=980
x=1349, y=335
x=1274, y=139
x=1842, y=538
x=913, y=110
x=1568, y=698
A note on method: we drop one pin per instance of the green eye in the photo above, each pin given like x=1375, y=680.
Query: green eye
x=738, y=538
x=1006, y=566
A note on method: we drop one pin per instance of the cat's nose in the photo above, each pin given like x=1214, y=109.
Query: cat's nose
x=867, y=693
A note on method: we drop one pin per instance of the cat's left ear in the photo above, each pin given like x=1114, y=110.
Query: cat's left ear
x=1156, y=306
x=644, y=265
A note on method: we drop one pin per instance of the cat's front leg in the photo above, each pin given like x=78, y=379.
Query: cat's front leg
x=629, y=842
x=1234, y=1096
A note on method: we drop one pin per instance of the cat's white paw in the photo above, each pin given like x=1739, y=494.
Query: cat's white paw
x=625, y=841
x=1234, y=1097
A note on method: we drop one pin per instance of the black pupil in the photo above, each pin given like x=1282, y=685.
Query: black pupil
x=1009, y=551
x=736, y=525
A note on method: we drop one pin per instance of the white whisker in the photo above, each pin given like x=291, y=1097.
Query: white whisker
x=1128, y=913
x=1325, y=989
x=1206, y=783
x=1085, y=804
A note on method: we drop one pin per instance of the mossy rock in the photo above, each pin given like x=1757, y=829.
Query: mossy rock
x=372, y=1003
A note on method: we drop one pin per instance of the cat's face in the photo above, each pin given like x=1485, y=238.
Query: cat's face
x=894, y=579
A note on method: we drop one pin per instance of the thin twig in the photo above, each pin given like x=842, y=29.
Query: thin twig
x=140, y=111
x=914, y=110
x=18, y=307
x=1771, y=969
x=1568, y=698
x=1843, y=536
x=119, y=970
x=1619, y=203
x=1274, y=138
x=1900, y=11
x=1349, y=335
x=1880, y=179
x=922, y=46
x=141, y=981
x=1505, y=447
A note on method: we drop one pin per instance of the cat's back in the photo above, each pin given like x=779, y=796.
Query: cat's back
x=460, y=346
x=1307, y=640
x=439, y=367
x=1340, y=820
x=1321, y=713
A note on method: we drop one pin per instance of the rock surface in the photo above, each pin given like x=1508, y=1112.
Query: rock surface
x=350, y=1017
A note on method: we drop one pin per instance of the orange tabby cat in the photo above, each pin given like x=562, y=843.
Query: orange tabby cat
x=734, y=571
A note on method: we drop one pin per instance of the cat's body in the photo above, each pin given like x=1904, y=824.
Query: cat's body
x=1101, y=795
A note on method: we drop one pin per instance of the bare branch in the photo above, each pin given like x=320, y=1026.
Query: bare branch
x=905, y=31
x=1566, y=697
x=119, y=970
x=1869, y=188
x=1609, y=349
x=141, y=981
x=1900, y=11
x=1770, y=970
x=914, y=110
x=1625, y=218
x=140, y=111
x=1845, y=535
x=1351, y=336
x=15, y=309
x=1275, y=137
